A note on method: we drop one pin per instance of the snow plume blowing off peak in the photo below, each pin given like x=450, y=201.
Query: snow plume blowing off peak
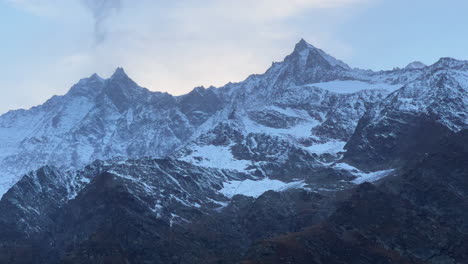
x=101, y=10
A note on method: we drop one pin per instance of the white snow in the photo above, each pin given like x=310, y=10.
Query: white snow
x=215, y=157
x=372, y=176
x=330, y=59
x=363, y=176
x=351, y=86
x=71, y=131
x=304, y=54
x=173, y=220
x=256, y=188
x=331, y=147
x=345, y=166
x=333, y=62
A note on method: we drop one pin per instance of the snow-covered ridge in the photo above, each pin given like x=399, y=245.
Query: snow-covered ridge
x=255, y=188
x=308, y=104
x=305, y=50
x=353, y=86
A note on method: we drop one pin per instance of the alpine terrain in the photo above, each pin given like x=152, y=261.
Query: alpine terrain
x=312, y=161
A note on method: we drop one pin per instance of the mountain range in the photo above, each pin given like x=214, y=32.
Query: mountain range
x=312, y=161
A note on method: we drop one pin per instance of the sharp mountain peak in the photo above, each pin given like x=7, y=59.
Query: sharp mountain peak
x=307, y=52
x=119, y=73
x=303, y=44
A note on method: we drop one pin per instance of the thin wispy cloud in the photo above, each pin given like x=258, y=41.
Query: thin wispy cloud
x=101, y=10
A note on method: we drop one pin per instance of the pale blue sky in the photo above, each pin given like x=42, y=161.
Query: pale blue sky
x=173, y=46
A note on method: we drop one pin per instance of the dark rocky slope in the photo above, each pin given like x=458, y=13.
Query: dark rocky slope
x=419, y=216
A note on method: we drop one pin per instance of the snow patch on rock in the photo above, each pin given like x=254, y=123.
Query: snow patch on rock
x=254, y=189
x=352, y=86
x=212, y=156
x=363, y=176
x=331, y=147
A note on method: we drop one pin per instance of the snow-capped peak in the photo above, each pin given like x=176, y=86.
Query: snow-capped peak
x=415, y=65
x=307, y=102
x=450, y=62
x=95, y=76
x=302, y=45
x=121, y=81
x=88, y=87
x=308, y=52
x=119, y=74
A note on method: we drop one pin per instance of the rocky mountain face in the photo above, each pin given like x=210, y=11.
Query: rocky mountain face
x=416, y=216
x=108, y=118
x=412, y=118
x=99, y=119
x=274, y=169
